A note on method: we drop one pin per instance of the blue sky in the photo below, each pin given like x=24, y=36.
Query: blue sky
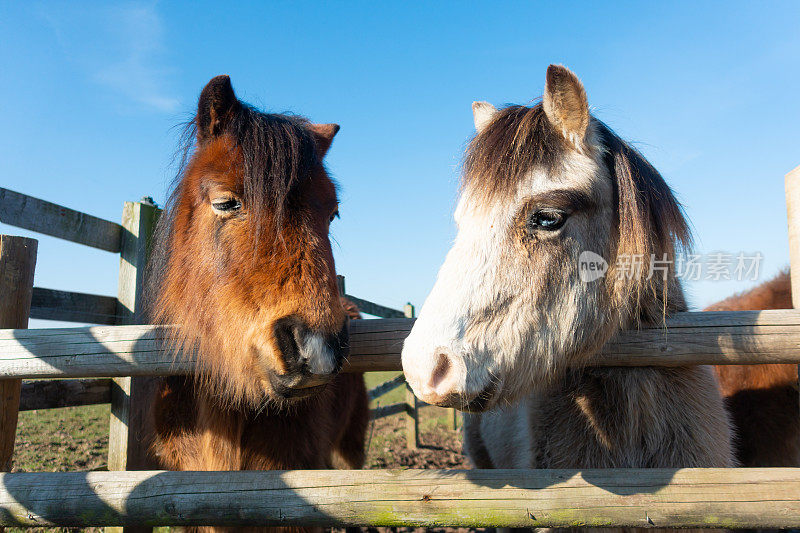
x=707, y=91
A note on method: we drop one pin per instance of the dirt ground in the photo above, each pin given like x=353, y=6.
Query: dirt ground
x=440, y=445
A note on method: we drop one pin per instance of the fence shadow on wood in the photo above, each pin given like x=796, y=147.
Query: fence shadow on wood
x=140, y=348
x=77, y=499
x=73, y=499
x=466, y=498
x=600, y=478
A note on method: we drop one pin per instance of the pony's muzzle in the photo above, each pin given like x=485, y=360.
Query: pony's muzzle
x=311, y=358
x=444, y=384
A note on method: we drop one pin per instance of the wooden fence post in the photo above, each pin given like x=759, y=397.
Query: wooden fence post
x=130, y=397
x=340, y=284
x=17, y=265
x=792, y=184
x=412, y=423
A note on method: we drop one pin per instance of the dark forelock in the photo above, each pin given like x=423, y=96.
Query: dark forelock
x=518, y=139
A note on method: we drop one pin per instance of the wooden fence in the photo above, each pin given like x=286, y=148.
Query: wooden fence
x=719, y=498
x=409, y=406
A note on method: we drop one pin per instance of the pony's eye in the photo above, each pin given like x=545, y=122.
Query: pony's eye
x=334, y=216
x=226, y=205
x=547, y=219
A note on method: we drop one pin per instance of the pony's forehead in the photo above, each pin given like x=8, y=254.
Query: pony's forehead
x=520, y=149
x=220, y=161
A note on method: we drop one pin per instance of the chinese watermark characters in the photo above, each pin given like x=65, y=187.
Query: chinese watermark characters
x=716, y=266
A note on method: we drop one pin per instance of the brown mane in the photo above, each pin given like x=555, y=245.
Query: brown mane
x=277, y=154
x=773, y=294
x=651, y=224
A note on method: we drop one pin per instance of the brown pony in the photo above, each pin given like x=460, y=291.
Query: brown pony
x=762, y=399
x=243, y=263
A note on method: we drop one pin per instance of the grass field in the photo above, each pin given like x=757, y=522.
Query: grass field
x=56, y=440
x=373, y=379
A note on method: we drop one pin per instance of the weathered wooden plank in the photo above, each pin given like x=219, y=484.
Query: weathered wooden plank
x=371, y=308
x=729, y=337
x=55, y=393
x=37, y=215
x=17, y=266
x=719, y=498
x=375, y=345
x=413, y=403
x=101, y=351
x=51, y=304
x=386, y=386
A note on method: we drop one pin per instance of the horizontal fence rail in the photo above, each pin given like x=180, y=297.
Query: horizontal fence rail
x=53, y=393
x=371, y=308
x=392, y=409
x=664, y=498
x=67, y=306
x=27, y=212
x=386, y=386
x=51, y=304
x=739, y=337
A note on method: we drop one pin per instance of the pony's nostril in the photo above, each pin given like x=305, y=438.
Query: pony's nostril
x=441, y=370
x=289, y=334
x=307, y=351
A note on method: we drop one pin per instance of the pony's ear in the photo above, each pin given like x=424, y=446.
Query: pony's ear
x=216, y=107
x=482, y=114
x=323, y=135
x=565, y=103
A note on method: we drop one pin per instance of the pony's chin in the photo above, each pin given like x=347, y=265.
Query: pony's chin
x=479, y=403
x=278, y=387
x=477, y=408
x=291, y=395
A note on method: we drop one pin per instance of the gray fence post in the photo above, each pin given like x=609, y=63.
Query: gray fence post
x=412, y=424
x=130, y=397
